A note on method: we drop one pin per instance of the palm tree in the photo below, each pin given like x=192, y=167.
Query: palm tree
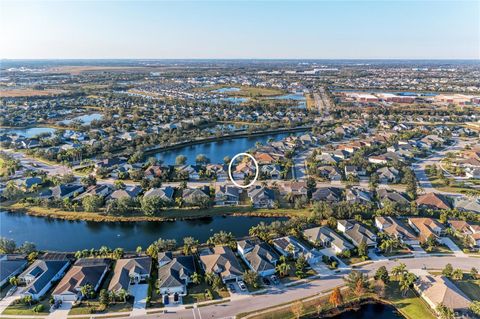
x=122, y=293
x=113, y=296
x=85, y=290
x=399, y=270
x=283, y=269
x=289, y=197
x=196, y=278
x=406, y=282
x=104, y=251
x=209, y=277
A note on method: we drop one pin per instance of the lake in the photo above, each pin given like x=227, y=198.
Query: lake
x=216, y=151
x=85, y=119
x=64, y=235
x=370, y=311
x=28, y=132
x=297, y=97
x=232, y=100
x=226, y=90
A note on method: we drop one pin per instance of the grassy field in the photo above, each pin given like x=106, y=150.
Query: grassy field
x=411, y=306
x=245, y=91
x=196, y=293
x=93, y=306
x=27, y=310
x=310, y=101
x=163, y=215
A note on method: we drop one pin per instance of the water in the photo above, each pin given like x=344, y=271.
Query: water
x=232, y=100
x=369, y=311
x=64, y=235
x=298, y=97
x=28, y=132
x=85, y=119
x=216, y=151
x=226, y=90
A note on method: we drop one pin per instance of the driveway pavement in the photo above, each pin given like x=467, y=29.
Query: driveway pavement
x=62, y=311
x=140, y=293
x=453, y=247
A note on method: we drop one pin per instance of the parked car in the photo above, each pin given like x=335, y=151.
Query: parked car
x=275, y=280
x=242, y=286
x=266, y=281
x=165, y=300
x=11, y=291
x=231, y=287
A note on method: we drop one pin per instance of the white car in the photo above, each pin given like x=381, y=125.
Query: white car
x=242, y=286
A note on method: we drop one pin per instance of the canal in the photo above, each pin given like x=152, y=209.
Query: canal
x=370, y=311
x=64, y=235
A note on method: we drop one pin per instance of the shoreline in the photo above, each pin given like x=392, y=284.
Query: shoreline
x=171, y=215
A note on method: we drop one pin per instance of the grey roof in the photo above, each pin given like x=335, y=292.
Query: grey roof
x=323, y=234
x=170, y=275
x=329, y=194
x=9, y=267
x=165, y=193
x=261, y=257
x=126, y=267
x=84, y=271
x=358, y=233
x=62, y=190
x=391, y=196
x=43, y=271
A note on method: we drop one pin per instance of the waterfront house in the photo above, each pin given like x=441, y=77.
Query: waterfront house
x=85, y=271
x=174, y=273
x=194, y=196
x=261, y=197
x=95, y=190
x=227, y=195
x=66, y=191
x=439, y=290
x=289, y=246
x=39, y=277
x=165, y=193
x=325, y=237
x=327, y=194
x=298, y=189
x=258, y=256
x=130, y=271
x=222, y=261
x=357, y=233
x=10, y=266
x=129, y=192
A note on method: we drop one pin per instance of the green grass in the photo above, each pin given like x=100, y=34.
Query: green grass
x=470, y=287
x=17, y=308
x=93, y=306
x=410, y=305
x=196, y=293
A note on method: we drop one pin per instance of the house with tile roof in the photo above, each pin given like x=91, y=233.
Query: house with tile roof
x=174, y=273
x=39, y=277
x=426, y=227
x=221, y=260
x=130, y=271
x=394, y=228
x=357, y=233
x=258, y=256
x=325, y=237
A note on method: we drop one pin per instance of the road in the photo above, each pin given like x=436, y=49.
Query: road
x=276, y=296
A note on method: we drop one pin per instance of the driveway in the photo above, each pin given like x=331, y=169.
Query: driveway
x=62, y=311
x=5, y=302
x=140, y=293
x=331, y=253
x=453, y=247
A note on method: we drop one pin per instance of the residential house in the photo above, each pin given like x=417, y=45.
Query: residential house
x=388, y=175
x=466, y=230
x=194, y=196
x=329, y=172
x=391, y=196
x=227, y=195
x=396, y=229
x=327, y=194
x=66, y=191
x=130, y=271
x=129, y=192
x=40, y=276
x=426, y=227
x=261, y=197
x=357, y=233
x=174, y=273
x=439, y=290
x=271, y=171
x=298, y=189
x=359, y=196
x=354, y=171
x=221, y=260
x=95, y=190
x=165, y=193
x=258, y=256
x=289, y=246
x=433, y=201
x=10, y=266
x=325, y=237
x=85, y=271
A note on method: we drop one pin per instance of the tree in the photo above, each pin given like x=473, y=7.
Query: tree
x=92, y=203
x=362, y=249
x=382, y=274
x=139, y=250
x=475, y=307
x=201, y=159
x=474, y=273
x=89, y=180
x=399, y=270
x=217, y=282
x=300, y=265
x=196, y=278
x=209, y=277
x=406, y=282
x=190, y=245
x=251, y=278
x=448, y=270
x=457, y=274
x=13, y=281
x=444, y=312
x=336, y=298
x=7, y=246
x=85, y=290
x=123, y=294
x=180, y=160
x=222, y=238
x=151, y=204
x=118, y=253
x=297, y=309
x=283, y=269
x=356, y=281
x=27, y=248
x=104, y=297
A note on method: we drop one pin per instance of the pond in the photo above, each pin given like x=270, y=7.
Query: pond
x=297, y=97
x=28, y=132
x=64, y=235
x=370, y=311
x=226, y=90
x=85, y=119
x=216, y=151
x=232, y=100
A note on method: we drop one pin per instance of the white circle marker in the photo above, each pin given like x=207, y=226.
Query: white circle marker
x=230, y=170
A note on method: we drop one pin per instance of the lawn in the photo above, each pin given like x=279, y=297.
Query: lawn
x=245, y=91
x=292, y=276
x=93, y=306
x=411, y=306
x=470, y=287
x=440, y=249
x=27, y=310
x=196, y=293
